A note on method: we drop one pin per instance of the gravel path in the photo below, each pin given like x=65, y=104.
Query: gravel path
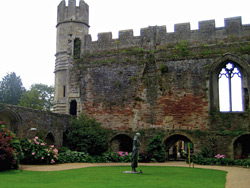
x=237, y=177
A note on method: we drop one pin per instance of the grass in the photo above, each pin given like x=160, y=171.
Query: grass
x=112, y=177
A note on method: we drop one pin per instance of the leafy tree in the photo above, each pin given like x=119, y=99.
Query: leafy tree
x=87, y=135
x=31, y=99
x=11, y=89
x=40, y=96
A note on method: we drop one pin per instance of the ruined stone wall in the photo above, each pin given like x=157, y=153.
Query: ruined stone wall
x=20, y=120
x=156, y=36
x=135, y=95
x=164, y=81
x=158, y=82
x=133, y=89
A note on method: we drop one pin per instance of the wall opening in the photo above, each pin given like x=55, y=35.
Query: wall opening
x=73, y=108
x=77, y=48
x=229, y=84
x=121, y=142
x=176, y=147
x=64, y=91
x=50, y=139
x=242, y=147
x=10, y=118
x=230, y=88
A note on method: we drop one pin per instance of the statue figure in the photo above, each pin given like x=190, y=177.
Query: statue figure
x=135, y=152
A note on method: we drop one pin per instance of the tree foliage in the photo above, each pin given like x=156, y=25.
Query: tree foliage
x=87, y=135
x=40, y=96
x=11, y=89
x=31, y=99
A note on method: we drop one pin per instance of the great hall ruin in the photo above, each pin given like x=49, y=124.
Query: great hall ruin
x=159, y=82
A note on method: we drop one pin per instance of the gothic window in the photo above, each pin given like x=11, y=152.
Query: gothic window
x=77, y=48
x=230, y=88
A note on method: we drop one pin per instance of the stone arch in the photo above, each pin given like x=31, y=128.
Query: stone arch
x=121, y=142
x=176, y=146
x=11, y=118
x=241, y=147
x=215, y=68
x=50, y=139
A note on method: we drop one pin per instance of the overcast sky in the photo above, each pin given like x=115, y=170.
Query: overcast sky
x=28, y=33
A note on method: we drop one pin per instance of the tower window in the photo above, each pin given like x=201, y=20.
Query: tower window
x=64, y=91
x=73, y=107
x=230, y=88
x=77, y=48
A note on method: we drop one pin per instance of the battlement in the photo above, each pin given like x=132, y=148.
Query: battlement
x=154, y=36
x=73, y=13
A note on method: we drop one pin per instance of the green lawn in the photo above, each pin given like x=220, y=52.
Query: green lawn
x=112, y=177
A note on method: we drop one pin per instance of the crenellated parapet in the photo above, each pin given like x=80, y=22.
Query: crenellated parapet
x=73, y=13
x=154, y=36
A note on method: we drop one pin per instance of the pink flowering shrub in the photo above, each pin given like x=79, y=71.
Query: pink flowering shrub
x=218, y=156
x=119, y=156
x=36, y=151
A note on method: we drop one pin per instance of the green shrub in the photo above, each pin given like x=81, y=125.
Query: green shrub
x=119, y=156
x=83, y=157
x=36, y=151
x=10, y=151
x=155, y=149
x=74, y=157
x=63, y=149
x=87, y=135
x=199, y=159
x=144, y=157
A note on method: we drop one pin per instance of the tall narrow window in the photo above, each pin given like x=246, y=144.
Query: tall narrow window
x=64, y=91
x=73, y=108
x=230, y=88
x=77, y=48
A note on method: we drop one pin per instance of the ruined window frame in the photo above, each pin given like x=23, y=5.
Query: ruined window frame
x=214, y=70
x=230, y=73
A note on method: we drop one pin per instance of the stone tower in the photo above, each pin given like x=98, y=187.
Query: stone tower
x=72, y=25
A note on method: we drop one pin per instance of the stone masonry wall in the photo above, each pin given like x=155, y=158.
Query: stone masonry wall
x=20, y=120
x=162, y=81
x=153, y=37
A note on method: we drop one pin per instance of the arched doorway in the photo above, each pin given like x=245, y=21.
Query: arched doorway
x=121, y=142
x=242, y=147
x=177, y=147
x=50, y=139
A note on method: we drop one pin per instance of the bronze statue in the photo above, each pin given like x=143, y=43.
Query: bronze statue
x=135, y=152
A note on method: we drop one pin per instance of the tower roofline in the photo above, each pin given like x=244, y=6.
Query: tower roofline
x=72, y=12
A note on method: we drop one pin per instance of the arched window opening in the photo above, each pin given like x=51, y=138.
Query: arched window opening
x=242, y=147
x=77, y=48
x=177, y=147
x=50, y=140
x=122, y=142
x=230, y=88
x=73, y=108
